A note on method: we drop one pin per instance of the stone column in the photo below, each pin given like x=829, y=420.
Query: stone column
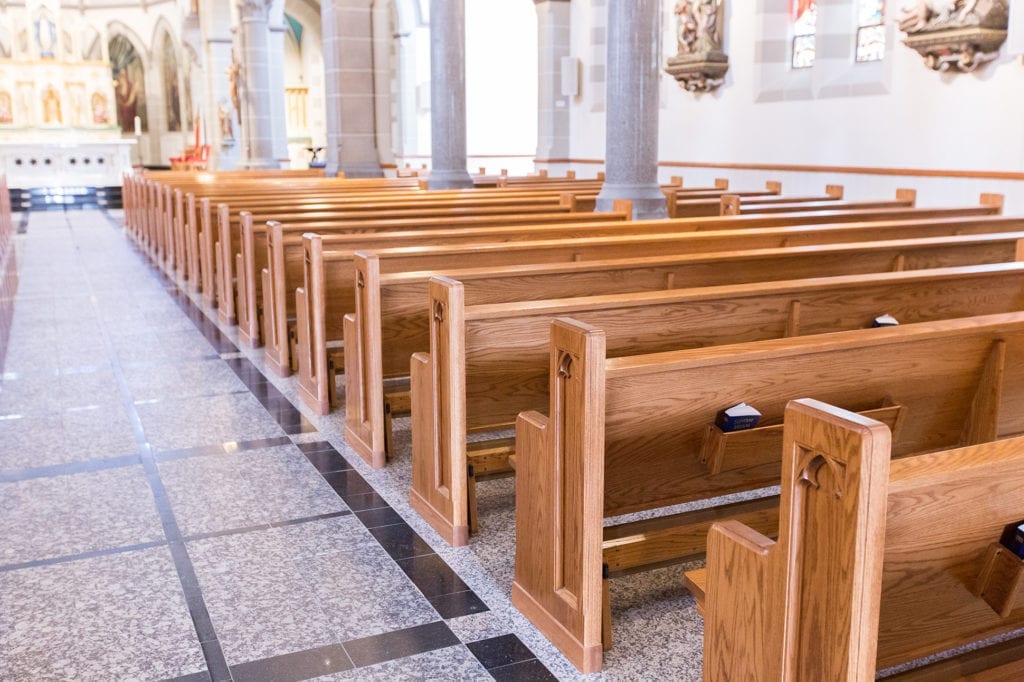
x=278, y=107
x=448, y=95
x=631, y=148
x=349, y=86
x=553, y=43
x=257, y=126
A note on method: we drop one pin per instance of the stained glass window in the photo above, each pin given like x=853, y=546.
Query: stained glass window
x=870, y=30
x=805, y=19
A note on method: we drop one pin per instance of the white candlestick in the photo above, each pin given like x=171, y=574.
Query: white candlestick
x=138, y=126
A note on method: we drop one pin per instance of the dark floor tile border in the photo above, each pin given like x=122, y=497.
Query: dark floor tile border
x=84, y=467
x=496, y=652
x=400, y=643
x=82, y=555
x=526, y=671
x=458, y=604
x=301, y=665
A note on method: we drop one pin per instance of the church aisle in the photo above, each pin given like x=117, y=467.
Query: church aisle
x=168, y=513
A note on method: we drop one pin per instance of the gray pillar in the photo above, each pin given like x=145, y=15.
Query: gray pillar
x=448, y=95
x=631, y=148
x=258, y=142
x=348, y=83
x=553, y=43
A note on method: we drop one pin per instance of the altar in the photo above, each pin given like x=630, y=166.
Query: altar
x=64, y=161
x=63, y=105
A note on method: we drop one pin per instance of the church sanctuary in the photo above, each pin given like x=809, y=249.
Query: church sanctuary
x=515, y=340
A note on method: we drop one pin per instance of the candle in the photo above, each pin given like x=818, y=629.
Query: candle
x=138, y=126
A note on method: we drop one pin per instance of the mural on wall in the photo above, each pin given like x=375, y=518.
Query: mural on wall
x=700, y=62
x=129, y=84
x=172, y=94
x=958, y=35
x=6, y=44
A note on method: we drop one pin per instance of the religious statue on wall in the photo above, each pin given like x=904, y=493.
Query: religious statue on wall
x=100, y=111
x=46, y=36
x=956, y=34
x=51, y=107
x=227, y=132
x=700, y=62
x=235, y=84
x=6, y=109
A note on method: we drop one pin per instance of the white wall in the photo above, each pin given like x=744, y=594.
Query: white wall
x=501, y=83
x=920, y=119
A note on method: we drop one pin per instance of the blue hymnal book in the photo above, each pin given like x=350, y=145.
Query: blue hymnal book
x=737, y=418
x=1013, y=538
x=885, y=321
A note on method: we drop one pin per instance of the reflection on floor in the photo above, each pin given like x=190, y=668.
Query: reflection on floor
x=168, y=510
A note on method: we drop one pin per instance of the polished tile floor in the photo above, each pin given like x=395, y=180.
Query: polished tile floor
x=168, y=510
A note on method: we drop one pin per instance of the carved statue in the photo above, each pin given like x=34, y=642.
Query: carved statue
x=227, y=132
x=51, y=107
x=925, y=12
x=956, y=34
x=100, y=113
x=236, y=83
x=700, y=64
x=6, y=108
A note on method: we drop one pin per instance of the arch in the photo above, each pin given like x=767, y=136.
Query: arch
x=128, y=66
x=169, y=60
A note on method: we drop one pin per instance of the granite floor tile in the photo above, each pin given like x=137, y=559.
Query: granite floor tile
x=37, y=440
x=120, y=616
x=185, y=423
x=66, y=515
x=181, y=380
x=219, y=492
x=449, y=663
x=258, y=599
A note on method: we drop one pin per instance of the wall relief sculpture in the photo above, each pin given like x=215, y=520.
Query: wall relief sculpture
x=956, y=34
x=700, y=62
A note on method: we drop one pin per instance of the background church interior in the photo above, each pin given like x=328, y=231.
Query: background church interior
x=172, y=507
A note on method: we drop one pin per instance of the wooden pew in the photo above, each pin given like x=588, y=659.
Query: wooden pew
x=488, y=363
x=329, y=285
x=391, y=322
x=876, y=562
x=634, y=433
x=270, y=266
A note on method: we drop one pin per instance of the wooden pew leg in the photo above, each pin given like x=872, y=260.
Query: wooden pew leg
x=396, y=403
x=472, y=513
x=606, y=610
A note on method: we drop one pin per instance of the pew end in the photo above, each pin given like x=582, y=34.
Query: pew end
x=434, y=480
x=767, y=611
x=558, y=575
